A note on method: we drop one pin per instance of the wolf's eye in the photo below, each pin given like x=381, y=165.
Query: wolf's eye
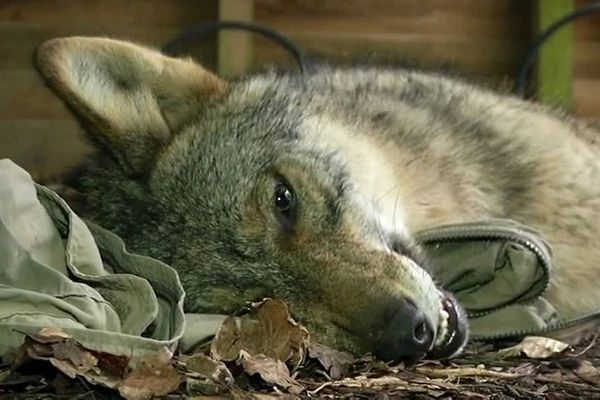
x=284, y=198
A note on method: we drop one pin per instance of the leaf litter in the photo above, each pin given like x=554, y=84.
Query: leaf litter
x=265, y=354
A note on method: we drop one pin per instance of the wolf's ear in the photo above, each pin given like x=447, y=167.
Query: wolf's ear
x=133, y=99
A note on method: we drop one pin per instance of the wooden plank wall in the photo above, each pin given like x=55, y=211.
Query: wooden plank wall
x=486, y=38
x=586, y=68
x=483, y=37
x=36, y=130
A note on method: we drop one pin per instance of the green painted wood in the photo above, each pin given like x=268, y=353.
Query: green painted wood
x=555, y=62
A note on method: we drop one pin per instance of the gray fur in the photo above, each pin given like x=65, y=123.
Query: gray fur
x=460, y=153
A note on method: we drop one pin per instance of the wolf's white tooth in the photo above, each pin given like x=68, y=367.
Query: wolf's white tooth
x=442, y=326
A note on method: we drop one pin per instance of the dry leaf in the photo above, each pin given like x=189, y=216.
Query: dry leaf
x=4, y=373
x=535, y=347
x=70, y=351
x=72, y=359
x=270, y=370
x=50, y=335
x=268, y=329
x=588, y=372
x=153, y=376
x=66, y=355
x=205, y=375
x=336, y=363
x=464, y=372
x=278, y=396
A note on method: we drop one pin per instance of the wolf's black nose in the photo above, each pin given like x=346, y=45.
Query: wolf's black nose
x=408, y=335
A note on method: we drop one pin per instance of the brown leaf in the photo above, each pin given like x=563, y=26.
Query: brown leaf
x=112, y=364
x=68, y=356
x=50, y=335
x=270, y=370
x=205, y=375
x=587, y=372
x=70, y=351
x=153, y=376
x=4, y=373
x=535, y=347
x=268, y=329
x=336, y=363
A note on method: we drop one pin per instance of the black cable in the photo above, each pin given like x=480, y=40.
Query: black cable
x=534, y=48
x=187, y=37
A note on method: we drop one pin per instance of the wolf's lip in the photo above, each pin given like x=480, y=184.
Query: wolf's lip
x=456, y=337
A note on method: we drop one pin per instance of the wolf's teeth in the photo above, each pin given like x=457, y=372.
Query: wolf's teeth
x=442, y=326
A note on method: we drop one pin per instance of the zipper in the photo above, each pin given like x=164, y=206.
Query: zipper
x=493, y=230
x=499, y=229
x=550, y=328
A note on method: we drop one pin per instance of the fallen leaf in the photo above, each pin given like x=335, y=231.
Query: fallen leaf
x=587, y=372
x=278, y=396
x=268, y=329
x=534, y=347
x=154, y=376
x=463, y=372
x=523, y=369
x=270, y=370
x=68, y=356
x=336, y=363
x=50, y=335
x=4, y=373
x=376, y=383
x=70, y=351
x=368, y=364
x=63, y=352
x=205, y=375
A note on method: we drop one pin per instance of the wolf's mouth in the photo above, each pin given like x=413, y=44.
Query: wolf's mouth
x=453, y=330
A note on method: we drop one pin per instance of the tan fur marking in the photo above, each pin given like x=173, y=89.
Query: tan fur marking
x=134, y=98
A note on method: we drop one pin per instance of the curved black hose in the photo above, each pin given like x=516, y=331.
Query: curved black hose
x=534, y=48
x=184, y=39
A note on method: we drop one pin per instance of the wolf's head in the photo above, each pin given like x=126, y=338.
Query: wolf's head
x=250, y=189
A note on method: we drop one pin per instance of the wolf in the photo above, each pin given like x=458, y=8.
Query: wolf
x=310, y=187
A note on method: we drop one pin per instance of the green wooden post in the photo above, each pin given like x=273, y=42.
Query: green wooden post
x=235, y=47
x=555, y=62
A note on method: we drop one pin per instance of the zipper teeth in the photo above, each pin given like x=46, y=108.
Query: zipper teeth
x=454, y=234
x=550, y=328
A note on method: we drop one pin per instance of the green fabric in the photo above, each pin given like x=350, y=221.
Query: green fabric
x=515, y=320
x=498, y=270
x=55, y=273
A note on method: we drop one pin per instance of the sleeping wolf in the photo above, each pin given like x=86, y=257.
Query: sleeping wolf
x=309, y=187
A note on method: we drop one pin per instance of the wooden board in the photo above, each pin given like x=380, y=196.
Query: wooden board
x=235, y=46
x=586, y=65
x=486, y=38
x=36, y=130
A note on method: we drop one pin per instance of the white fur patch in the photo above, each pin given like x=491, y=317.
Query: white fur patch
x=370, y=168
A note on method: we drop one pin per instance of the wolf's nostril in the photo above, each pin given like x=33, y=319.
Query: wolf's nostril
x=408, y=335
x=420, y=332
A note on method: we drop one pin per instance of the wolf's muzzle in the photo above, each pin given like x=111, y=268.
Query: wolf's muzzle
x=408, y=335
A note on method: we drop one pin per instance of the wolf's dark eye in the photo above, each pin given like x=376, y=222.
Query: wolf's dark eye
x=284, y=199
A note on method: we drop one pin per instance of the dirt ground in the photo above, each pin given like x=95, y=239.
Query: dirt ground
x=480, y=373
